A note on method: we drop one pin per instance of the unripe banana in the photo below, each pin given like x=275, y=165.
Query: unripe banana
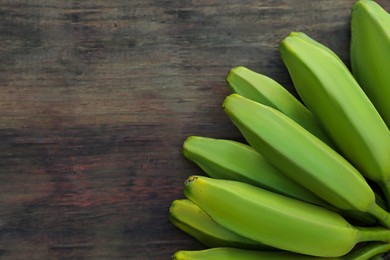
x=370, y=53
x=303, y=157
x=276, y=220
x=332, y=94
x=226, y=253
x=223, y=253
x=267, y=91
x=188, y=217
x=231, y=160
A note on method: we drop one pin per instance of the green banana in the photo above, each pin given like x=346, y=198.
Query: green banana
x=277, y=220
x=226, y=253
x=330, y=91
x=231, y=160
x=267, y=91
x=226, y=159
x=188, y=217
x=303, y=157
x=370, y=53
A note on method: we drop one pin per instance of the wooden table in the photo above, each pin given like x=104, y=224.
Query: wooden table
x=97, y=97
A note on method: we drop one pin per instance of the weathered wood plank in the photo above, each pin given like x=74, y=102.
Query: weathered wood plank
x=96, y=98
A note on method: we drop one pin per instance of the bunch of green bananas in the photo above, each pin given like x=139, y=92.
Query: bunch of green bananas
x=312, y=180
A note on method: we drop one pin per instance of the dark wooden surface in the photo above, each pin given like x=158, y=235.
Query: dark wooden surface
x=96, y=98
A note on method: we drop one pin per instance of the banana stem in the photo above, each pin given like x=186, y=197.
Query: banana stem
x=370, y=250
x=367, y=234
x=382, y=215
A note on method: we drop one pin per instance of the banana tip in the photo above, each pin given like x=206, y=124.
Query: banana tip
x=225, y=102
x=237, y=69
x=186, y=147
x=177, y=256
x=173, y=205
x=190, y=180
x=187, y=141
x=232, y=73
x=228, y=99
x=237, y=76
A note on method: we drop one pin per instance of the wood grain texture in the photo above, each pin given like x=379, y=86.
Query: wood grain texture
x=96, y=98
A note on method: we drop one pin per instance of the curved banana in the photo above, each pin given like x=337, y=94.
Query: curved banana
x=332, y=94
x=226, y=253
x=267, y=91
x=188, y=217
x=226, y=159
x=276, y=220
x=303, y=157
x=231, y=160
x=370, y=53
